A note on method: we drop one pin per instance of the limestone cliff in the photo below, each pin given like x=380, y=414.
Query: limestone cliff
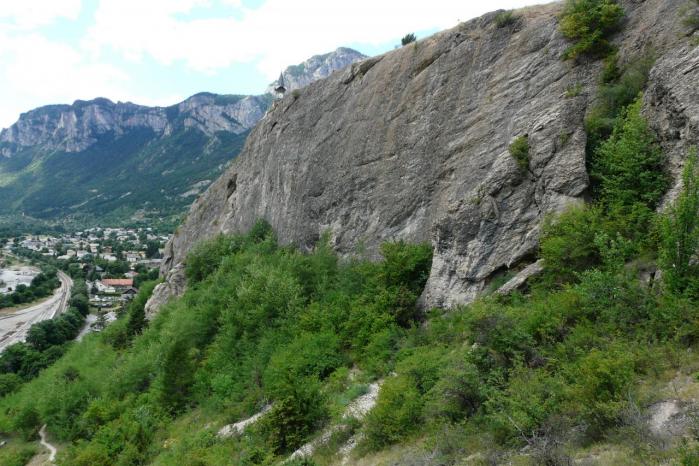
x=413, y=145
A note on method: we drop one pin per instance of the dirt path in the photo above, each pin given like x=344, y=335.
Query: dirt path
x=52, y=450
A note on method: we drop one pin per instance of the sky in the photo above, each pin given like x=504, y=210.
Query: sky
x=159, y=52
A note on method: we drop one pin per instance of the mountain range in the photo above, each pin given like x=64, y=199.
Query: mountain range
x=97, y=160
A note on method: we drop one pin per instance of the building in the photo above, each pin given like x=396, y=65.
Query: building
x=118, y=283
x=113, y=285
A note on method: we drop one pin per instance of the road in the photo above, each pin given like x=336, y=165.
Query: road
x=14, y=327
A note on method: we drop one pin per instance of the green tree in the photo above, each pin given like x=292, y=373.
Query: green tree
x=9, y=383
x=152, y=249
x=679, y=234
x=630, y=165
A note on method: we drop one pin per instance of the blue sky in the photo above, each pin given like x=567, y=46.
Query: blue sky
x=158, y=52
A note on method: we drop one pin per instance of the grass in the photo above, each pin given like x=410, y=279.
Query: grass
x=17, y=452
x=574, y=91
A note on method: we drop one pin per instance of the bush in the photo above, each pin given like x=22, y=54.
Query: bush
x=590, y=23
x=206, y=257
x=529, y=400
x=519, y=150
x=408, y=39
x=9, y=383
x=600, y=384
x=12, y=454
x=309, y=355
x=136, y=310
x=691, y=19
x=397, y=413
x=403, y=275
x=298, y=412
x=458, y=392
x=505, y=18
x=568, y=244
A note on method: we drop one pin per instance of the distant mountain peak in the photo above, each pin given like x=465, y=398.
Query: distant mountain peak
x=317, y=67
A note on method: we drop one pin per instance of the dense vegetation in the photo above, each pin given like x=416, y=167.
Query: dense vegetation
x=41, y=286
x=263, y=325
x=46, y=342
x=260, y=324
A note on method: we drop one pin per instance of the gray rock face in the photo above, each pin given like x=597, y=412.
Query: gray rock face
x=413, y=145
x=672, y=106
x=173, y=286
x=317, y=67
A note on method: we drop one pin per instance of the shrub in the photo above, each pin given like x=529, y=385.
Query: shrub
x=568, y=244
x=600, y=384
x=505, y=18
x=205, y=258
x=531, y=397
x=12, y=454
x=519, y=150
x=136, y=320
x=397, y=413
x=408, y=39
x=589, y=24
x=297, y=412
x=9, y=383
x=574, y=90
x=403, y=275
x=309, y=355
x=458, y=392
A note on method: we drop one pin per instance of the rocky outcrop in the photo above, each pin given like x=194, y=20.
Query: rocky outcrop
x=413, y=145
x=520, y=280
x=172, y=286
x=315, y=68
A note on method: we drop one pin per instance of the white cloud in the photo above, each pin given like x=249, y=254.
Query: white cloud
x=56, y=73
x=201, y=35
x=278, y=33
x=28, y=14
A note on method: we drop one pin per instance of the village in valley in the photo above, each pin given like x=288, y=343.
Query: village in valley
x=112, y=261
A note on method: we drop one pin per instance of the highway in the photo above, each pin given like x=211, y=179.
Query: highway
x=15, y=326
